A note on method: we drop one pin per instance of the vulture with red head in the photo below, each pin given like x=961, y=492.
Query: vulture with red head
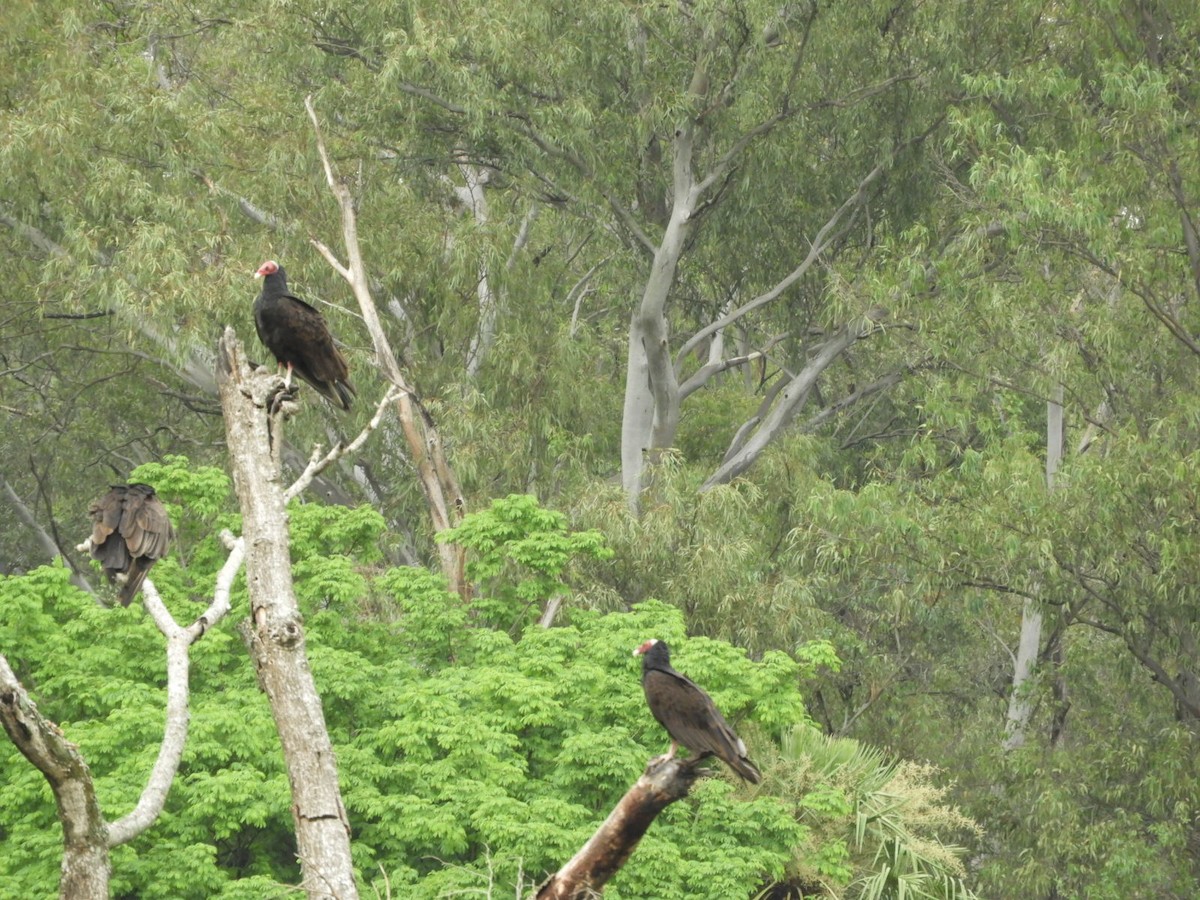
x=688, y=713
x=130, y=532
x=297, y=336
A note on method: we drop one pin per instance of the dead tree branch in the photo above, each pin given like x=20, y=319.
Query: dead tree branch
x=274, y=634
x=318, y=464
x=442, y=495
x=585, y=875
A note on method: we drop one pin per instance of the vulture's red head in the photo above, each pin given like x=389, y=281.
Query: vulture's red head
x=646, y=646
x=270, y=267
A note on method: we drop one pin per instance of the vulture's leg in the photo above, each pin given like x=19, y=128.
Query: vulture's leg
x=666, y=757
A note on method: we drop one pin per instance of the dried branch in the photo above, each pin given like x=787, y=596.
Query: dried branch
x=91, y=315
x=318, y=464
x=585, y=875
x=443, y=497
x=701, y=376
x=179, y=640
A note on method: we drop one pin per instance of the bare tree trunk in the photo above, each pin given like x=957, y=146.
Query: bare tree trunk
x=85, y=866
x=442, y=495
x=275, y=631
x=1021, y=700
x=473, y=197
x=651, y=389
x=585, y=875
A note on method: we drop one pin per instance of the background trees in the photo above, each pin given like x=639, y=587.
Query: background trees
x=1002, y=200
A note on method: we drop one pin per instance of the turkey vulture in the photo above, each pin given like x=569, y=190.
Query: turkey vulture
x=296, y=334
x=130, y=531
x=688, y=714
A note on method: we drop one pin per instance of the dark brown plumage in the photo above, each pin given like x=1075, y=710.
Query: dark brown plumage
x=296, y=334
x=130, y=532
x=688, y=714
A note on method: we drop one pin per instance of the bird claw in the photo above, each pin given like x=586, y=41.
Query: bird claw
x=279, y=397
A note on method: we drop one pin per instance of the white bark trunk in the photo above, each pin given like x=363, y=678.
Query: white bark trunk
x=786, y=406
x=1021, y=699
x=651, y=390
x=473, y=198
x=275, y=631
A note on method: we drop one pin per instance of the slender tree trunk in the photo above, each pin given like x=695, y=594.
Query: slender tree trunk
x=1021, y=700
x=275, y=631
x=474, y=198
x=651, y=412
x=445, y=501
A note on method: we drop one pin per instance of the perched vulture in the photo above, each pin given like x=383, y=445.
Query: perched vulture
x=299, y=338
x=688, y=714
x=130, y=532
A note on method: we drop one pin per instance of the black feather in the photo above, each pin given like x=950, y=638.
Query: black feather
x=297, y=336
x=688, y=714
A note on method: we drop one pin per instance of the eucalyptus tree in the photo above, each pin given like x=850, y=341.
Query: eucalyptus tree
x=1066, y=257
x=685, y=141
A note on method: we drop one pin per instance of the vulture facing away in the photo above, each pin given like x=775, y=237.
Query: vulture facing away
x=688, y=713
x=130, y=532
x=297, y=336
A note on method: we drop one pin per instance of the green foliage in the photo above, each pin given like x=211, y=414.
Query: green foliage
x=202, y=491
x=520, y=556
x=317, y=530
x=1032, y=230
x=466, y=756
x=98, y=672
x=896, y=814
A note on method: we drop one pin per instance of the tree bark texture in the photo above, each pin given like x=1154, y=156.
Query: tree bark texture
x=85, y=865
x=585, y=875
x=275, y=631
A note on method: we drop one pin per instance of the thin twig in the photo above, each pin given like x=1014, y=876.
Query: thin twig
x=318, y=464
